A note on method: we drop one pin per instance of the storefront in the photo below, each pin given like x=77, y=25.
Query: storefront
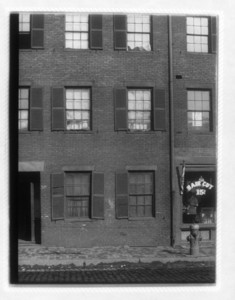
x=198, y=201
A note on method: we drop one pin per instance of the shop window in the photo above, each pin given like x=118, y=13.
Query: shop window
x=77, y=109
x=30, y=109
x=77, y=195
x=199, y=203
x=132, y=32
x=83, y=31
x=199, y=110
x=139, y=109
x=31, y=31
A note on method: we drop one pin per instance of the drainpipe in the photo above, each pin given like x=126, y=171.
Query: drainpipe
x=171, y=131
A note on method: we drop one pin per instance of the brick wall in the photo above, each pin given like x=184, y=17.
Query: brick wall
x=107, y=150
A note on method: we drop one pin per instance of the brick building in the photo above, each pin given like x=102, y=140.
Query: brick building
x=113, y=110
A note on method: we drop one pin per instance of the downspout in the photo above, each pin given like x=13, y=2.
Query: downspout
x=171, y=131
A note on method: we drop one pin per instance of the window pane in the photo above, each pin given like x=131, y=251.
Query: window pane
x=198, y=105
x=70, y=115
x=198, y=95
x=132, y=211
x=191, y=105
x=23, y=104
x=189, y=21
x=85, y=94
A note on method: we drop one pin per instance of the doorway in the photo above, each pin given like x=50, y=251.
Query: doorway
x=29, y=207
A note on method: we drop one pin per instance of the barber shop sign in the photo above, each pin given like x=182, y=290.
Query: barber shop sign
x=200, y=186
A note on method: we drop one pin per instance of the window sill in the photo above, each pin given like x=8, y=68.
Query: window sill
x=78, y=132
x=31, y=49
x=30, y=132
x=78, y=220
x=81, y=50
x=201, y=226
x=141, y=218
x=199, y=53
x=144, y=132
x=201, y=132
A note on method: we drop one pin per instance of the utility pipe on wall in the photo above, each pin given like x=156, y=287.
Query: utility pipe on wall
x=171, y=131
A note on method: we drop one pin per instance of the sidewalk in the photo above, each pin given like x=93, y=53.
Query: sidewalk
x=51, y=256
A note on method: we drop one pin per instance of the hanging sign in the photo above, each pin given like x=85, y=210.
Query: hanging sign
x=200, y=186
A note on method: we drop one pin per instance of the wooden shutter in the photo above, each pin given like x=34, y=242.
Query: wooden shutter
x=58, y=114
x=213, y=35
x=159, y=113
x=122, y=195
x=36, y=111
x=120, y=32
x=120, y=109
x=37, y=31
x=97, y=196
x=96, y=33
x=57, y=196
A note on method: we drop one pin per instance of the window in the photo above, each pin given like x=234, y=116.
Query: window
x=199, y=197
x=135, y=194
x=141, y=194
x=132, y=32
x=77, y=109
x=30, y=109
x=78, y=195
x=138, y=32
x=23, y=118
x=139, y=109
x=24, y=22
x=197, y=34
x=199, y=110
x=83, y=31
x=76, y=35
x=31, y=31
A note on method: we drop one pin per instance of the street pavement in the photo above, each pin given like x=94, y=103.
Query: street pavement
x=115, y=265
x=195, y=273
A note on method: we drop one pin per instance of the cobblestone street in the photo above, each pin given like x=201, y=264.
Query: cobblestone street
x=179, y=273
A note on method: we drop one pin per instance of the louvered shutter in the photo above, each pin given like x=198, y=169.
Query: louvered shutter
x=213, y=35
x=98, y=196
x=36, y=111
x=96, y=33
x=120, y=99
x=37, y=31
x=57, y=196
x=122, y=195
x=58, y=113
x=120, y=32
x=159, y=113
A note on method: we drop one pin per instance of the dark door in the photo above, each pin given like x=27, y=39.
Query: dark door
x=29, y=212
